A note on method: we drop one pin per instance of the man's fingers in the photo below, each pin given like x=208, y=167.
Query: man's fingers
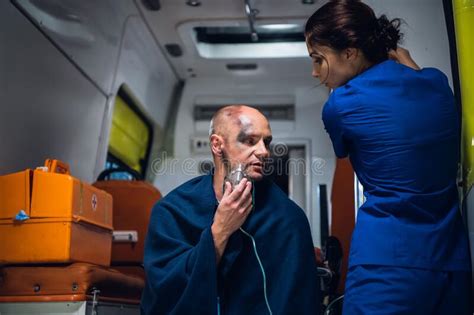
x=238, y=190
x=246, y=210
x=246, y=196
x=227, y=189
x=247, y=203
x=248, y=189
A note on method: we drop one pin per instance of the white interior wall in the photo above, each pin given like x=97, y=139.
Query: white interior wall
x=65, y=99
x=48, y=108
x=89, y=32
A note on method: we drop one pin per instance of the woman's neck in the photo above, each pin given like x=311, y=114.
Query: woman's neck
x=363, y=65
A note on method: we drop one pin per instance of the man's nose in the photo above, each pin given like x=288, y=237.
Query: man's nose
x=262, y=150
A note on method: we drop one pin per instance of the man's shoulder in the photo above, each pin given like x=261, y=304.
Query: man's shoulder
x=191, y=185
x=276, y=192
x=278, y=197
x=279, y=210
x=195, y=188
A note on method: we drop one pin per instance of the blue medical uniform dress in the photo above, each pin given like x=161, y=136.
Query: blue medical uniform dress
x=180, y=262
x=400, y=129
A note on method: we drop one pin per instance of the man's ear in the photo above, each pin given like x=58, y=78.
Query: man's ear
x=216, y=143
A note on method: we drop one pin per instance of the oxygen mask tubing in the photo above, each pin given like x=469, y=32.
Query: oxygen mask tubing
x=234, y=177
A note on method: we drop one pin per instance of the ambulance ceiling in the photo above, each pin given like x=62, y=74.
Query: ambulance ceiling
x=214, y=38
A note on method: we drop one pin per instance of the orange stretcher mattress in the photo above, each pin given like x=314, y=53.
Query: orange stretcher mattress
x=75, y=282
x=137, y=271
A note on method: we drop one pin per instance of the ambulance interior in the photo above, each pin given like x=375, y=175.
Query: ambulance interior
x=131, y=85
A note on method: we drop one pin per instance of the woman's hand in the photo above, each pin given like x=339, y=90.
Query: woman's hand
x=401, y=55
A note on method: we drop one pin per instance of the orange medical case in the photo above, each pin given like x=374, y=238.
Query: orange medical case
x=74, y=282
x=133, y=202
x=50, y=217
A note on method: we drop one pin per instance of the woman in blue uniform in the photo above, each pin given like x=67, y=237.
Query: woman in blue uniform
x=400, y=128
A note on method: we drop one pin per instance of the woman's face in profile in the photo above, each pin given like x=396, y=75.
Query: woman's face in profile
x=331, y=67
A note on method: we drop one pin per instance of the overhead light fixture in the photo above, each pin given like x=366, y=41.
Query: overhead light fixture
x=193, y=3
x=307, y=1
x=279, y=27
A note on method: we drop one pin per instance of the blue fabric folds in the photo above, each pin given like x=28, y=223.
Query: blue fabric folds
x=400, y=129
x=182, y=276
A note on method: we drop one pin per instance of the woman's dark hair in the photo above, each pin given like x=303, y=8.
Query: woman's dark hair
x=341, y=24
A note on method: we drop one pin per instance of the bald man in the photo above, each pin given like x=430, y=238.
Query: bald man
x=217, y=248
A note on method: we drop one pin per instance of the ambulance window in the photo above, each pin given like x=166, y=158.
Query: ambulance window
x=130, y=139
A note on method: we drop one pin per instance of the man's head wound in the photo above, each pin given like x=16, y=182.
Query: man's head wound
x=231, y=114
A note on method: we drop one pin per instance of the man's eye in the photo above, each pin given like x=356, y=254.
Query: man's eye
x=249, y=141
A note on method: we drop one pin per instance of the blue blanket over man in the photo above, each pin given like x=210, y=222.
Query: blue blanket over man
x=180, y=260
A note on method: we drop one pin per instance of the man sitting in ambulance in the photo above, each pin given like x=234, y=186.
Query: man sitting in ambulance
x=217, y=245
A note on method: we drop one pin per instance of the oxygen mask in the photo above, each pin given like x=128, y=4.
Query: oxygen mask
x=236, y=175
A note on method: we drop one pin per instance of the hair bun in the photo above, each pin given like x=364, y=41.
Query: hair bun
x=352, y=23
x=387, y=33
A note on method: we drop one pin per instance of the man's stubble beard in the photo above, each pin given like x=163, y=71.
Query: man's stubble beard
x=226, y=162
x=228, y=166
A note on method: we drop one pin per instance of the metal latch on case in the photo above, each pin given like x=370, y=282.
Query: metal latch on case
x=125, y=236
